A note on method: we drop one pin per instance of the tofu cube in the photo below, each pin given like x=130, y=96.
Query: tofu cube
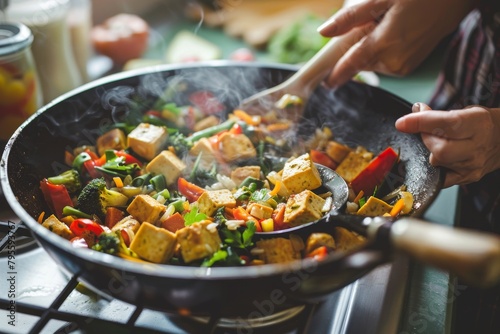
x=147, y=140
x=128, y=223
x=239, y=174
x=211, y=200
x=206, y=122
x=346, y=240
x=300, y=174
x=374, y=207
x=303, y=208
x=354, y=163
x=153, y=244
x=58, y=227
x=112, y=140
x=259, y=210
x=337, y=151
x=236, y=147
x=145, y=208
x=204, y=147
x=167, y=164
x=277, y=250
x=197, y=242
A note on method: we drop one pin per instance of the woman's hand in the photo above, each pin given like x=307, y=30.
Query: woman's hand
x=465, y=141
x=407, y=31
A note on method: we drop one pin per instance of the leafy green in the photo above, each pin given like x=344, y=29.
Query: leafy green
x=219, y=256
x=237, y=238
x=298, y=42
x=194, y=216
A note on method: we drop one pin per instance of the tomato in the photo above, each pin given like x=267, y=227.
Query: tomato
x=323, y=159
x=189, y=190
x=242, y=54
x=122, y=37
x=87, y=229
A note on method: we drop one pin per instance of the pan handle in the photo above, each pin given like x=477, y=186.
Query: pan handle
x=473, y=256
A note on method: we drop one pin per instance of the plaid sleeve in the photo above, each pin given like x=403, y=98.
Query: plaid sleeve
x=471, y=73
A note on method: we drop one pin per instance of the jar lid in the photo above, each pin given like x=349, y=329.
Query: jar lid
x=14, y=37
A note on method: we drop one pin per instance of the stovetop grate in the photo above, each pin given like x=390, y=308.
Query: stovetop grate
x=73, y=322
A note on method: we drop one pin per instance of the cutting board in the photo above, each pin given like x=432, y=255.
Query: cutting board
x=256, y=21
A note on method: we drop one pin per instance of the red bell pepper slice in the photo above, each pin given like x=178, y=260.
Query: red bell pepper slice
x=87, y=229
x=206, y=102
x=319, y=253
x=373, y=175
x=240, y=213
x=89, y=166
x=323, y=159
x=189, y=190
x=129, y=159
x=236, y=129
x=56, y=196
x=278, y=216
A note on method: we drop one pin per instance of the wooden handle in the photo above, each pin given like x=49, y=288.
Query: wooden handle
x=308, y=77
x=471, y=255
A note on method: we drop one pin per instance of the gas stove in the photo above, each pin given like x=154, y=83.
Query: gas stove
x=40, y=297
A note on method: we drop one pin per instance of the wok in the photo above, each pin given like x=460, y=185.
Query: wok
x=358, y=115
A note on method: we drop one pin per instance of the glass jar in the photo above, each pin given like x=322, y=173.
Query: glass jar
x=52, y=50
x=20, y=93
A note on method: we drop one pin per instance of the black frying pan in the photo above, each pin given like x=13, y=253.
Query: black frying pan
x=357, y=113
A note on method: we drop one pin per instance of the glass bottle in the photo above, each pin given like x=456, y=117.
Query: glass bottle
x=80, y=25
x=52, y=50
x=20, y=93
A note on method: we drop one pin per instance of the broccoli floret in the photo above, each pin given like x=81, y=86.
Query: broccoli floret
x=107, y=242
x=70, y=179
x=180, y=142
x=95, y=198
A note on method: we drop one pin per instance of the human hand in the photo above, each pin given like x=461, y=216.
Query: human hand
x=465, y=141
x=407, y=31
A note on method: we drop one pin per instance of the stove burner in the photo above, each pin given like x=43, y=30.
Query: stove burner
x=14, y=232
x=266, y=321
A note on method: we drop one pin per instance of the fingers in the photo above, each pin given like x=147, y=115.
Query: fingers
x=353, y=16
x=419, y=106
x=357, y=58
x=453, y=124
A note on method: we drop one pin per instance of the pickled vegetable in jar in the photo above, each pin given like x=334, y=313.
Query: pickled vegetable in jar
x=20, y=94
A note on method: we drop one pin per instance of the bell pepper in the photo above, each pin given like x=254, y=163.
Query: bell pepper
x=87, y=229
x=206, y=102
x=323, y=159
x=278, y=216
x=128, y=158
x=56, y=196
x=319, y=253
x=241, y=214
x=374, y=173
x=189, y=190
